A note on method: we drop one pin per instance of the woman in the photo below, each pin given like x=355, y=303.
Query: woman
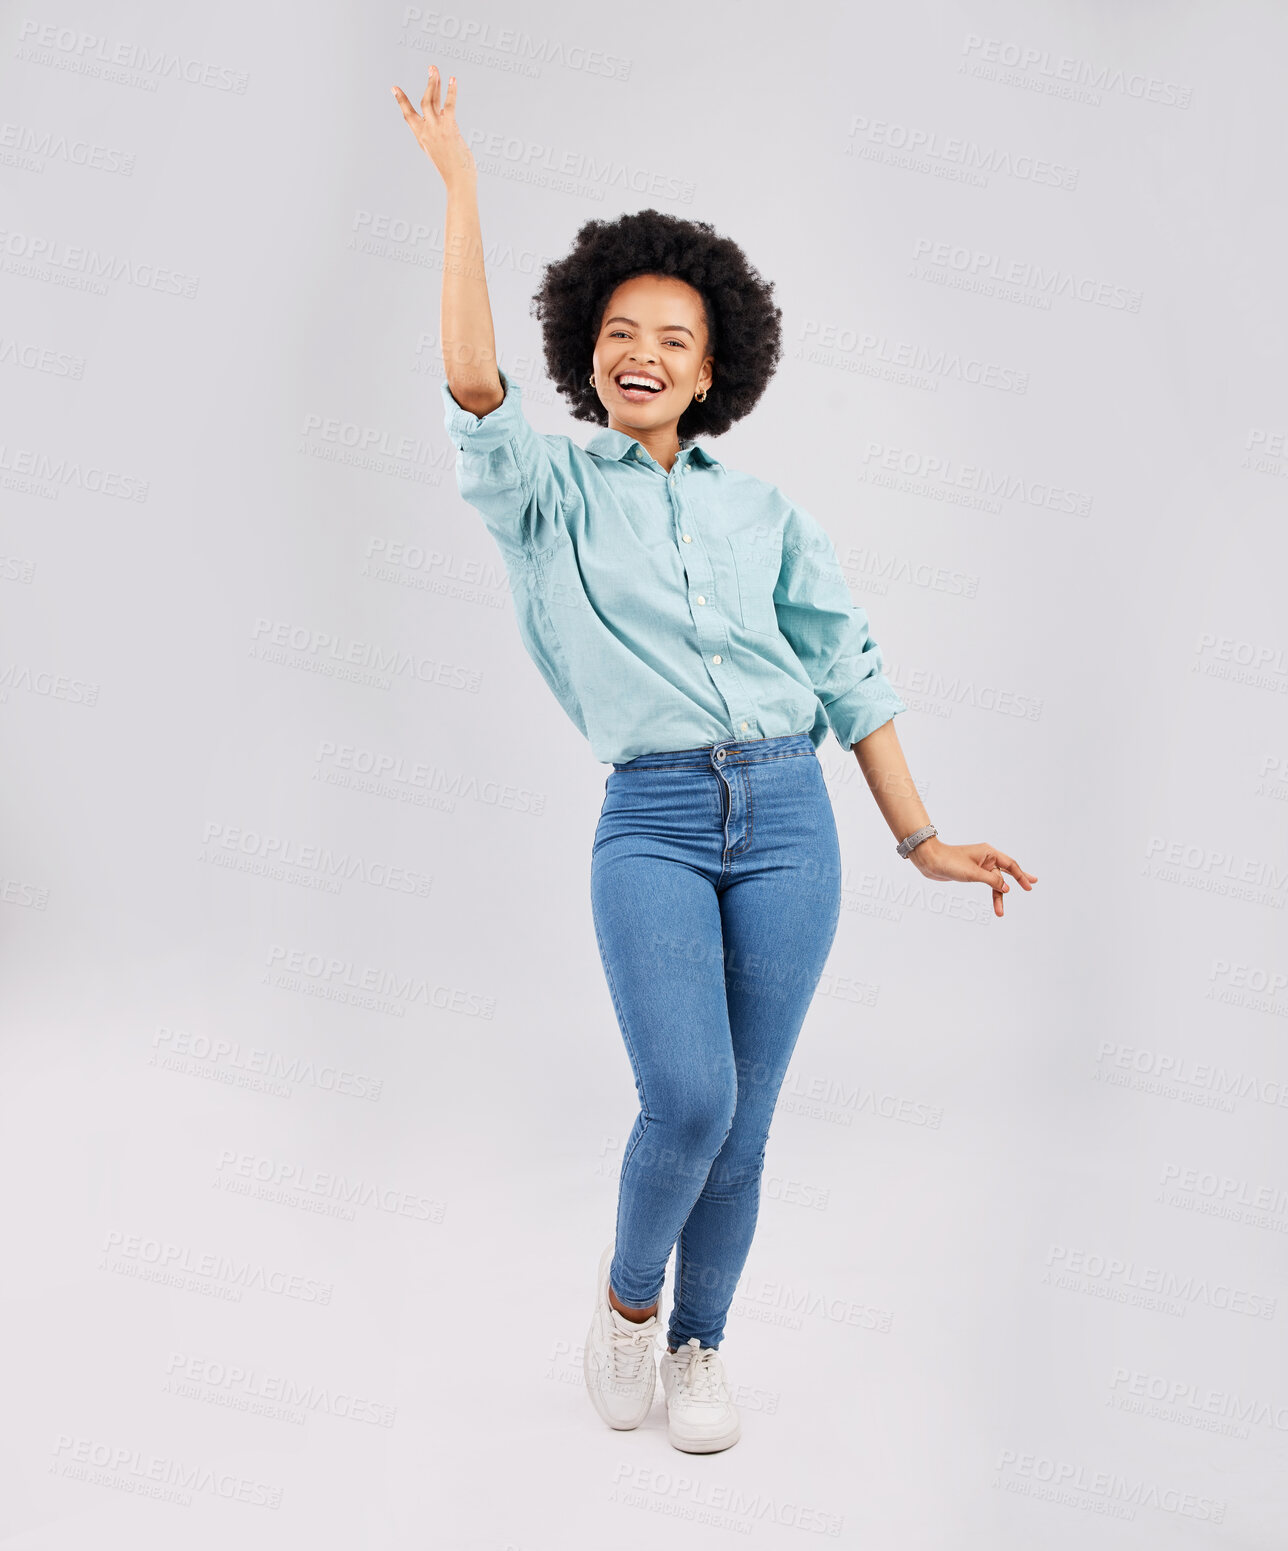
x=698, y=630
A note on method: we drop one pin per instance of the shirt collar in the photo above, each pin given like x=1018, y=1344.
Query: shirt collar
x=607, y=443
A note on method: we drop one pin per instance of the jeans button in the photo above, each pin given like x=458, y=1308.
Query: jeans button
x=720, y=753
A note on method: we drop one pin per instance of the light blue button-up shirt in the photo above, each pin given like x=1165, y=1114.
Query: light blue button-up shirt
x=668, y=610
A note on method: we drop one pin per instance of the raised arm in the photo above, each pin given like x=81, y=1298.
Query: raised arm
x=469, y=344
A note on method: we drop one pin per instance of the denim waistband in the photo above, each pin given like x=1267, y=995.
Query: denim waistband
x=732, y=751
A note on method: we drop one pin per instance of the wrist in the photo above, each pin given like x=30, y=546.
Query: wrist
x=918, y=843
x=927, y=850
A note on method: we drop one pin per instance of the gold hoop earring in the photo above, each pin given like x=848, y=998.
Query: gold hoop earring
x=701, y=396
x=592, y=379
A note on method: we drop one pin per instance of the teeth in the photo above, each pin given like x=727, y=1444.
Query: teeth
x=628, y=381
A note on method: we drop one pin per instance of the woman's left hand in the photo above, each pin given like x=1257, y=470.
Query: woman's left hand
x=977, y=863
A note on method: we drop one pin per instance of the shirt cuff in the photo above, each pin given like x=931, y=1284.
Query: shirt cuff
x=484, y=432
x=861, y=710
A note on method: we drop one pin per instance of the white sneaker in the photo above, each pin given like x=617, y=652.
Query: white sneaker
x=617, y=1359
x=700, y=1416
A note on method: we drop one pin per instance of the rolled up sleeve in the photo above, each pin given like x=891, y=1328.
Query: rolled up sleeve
x=505, y=469
x=829, y=633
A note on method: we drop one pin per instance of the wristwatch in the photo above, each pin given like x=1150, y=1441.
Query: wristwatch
x=914, y=840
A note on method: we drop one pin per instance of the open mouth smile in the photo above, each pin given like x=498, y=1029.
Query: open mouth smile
x=638, y=386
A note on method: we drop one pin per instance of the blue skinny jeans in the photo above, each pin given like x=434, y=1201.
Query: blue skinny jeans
x=715, y=893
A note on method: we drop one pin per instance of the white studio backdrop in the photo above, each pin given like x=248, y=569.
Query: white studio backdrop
x=313, y=1097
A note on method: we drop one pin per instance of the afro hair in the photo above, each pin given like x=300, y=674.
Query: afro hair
x=744, y=324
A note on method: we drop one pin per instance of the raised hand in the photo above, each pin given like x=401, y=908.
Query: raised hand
x=436, y=129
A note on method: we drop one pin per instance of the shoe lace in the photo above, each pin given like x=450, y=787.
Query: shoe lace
x=701, y=1373
x=630, y=1351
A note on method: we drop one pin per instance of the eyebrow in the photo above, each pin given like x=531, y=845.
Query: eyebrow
x=667, y=328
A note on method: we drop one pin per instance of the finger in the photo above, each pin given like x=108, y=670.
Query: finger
x=1026, y=880
x=431, y=91
x=408, y=110
x=1008, y=864
x=449, y=103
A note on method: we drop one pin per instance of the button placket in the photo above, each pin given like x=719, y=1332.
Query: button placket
x=716, y=664
x=677, y=517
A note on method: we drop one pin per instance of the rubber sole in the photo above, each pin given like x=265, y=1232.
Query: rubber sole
x=706, y=1446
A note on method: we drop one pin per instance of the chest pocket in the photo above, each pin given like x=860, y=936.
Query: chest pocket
x=757, y=555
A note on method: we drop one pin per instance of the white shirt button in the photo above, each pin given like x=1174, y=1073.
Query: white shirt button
x=701, y=599
x=717, y=658
x=687, y=539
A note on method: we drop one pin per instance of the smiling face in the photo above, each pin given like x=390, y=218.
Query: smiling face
x=653, y=331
